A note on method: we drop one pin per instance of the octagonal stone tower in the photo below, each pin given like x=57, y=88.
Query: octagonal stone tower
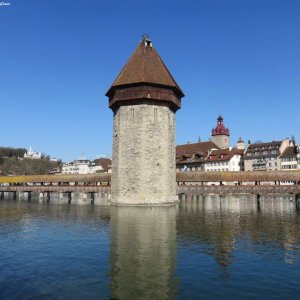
x=144, y=98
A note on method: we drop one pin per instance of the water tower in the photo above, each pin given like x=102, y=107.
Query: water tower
x=144, y=99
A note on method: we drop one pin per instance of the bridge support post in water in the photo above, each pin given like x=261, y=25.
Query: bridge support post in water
x=182, y=196
x=48, y=196
x=258, y=201
x=221, y=199
x=2, y=195
x=92, y=197
x=29, y=196
x=15, y=195
x=69, y=197
x=297, y=201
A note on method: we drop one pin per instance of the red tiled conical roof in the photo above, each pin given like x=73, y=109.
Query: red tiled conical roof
x=220, y=129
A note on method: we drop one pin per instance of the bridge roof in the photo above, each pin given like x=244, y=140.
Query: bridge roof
x=244, y=176
x=102, y=177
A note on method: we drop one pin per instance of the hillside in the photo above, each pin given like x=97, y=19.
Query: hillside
x=13, y=163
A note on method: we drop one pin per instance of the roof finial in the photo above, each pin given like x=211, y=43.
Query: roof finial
x=146, y=36
x=147, y=41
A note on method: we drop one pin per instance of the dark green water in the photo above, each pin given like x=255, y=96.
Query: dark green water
x=202, y=249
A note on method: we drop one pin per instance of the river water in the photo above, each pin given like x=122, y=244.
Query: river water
x=204, y=248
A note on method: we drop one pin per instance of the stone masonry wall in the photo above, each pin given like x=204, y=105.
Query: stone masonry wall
x=222, y=141
x=143, y=163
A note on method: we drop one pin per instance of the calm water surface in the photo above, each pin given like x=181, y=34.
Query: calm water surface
x=204, y=248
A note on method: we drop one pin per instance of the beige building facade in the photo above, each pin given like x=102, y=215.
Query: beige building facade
x=265, y=156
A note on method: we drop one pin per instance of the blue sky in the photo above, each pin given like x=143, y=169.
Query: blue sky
x=238, y=58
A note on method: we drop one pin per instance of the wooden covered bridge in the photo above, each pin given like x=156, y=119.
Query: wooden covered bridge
x=189, y=183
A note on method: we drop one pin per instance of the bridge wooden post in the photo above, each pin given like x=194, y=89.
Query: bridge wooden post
x=92, y=197
x=2, y=195
x=15, y=195
x=29, y=195
x=48, y=196
x=297, y=201
x=69, y=197
x=221, y=198
x=258, y=201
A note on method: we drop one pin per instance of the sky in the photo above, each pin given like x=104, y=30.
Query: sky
x=237, y=58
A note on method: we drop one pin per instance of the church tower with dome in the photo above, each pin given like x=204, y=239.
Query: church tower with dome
x=220, y=135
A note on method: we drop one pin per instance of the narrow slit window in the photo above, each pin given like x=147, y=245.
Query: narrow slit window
x=155, y=114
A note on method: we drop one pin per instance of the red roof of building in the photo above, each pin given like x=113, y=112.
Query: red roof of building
x=194, y=152
x=263, y=149
x=201, y=147
x=220, y=129
x=224, y=154
x=105, y=163
x=289, y=152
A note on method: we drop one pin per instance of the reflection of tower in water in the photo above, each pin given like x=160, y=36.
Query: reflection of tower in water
x=143, y=252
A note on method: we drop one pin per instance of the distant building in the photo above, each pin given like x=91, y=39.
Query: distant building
x=240, y=144
x=32, y=154
x=289, y=159
x=192, y=156
x=85, y=166
x=54, y=171
x=224, y=160
x=80, y=166
x=102, y=165
x=220, y=135
x=265, y=156
x=54, y=159
x=214, y=155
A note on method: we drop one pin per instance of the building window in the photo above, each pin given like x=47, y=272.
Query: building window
x=155, y=114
